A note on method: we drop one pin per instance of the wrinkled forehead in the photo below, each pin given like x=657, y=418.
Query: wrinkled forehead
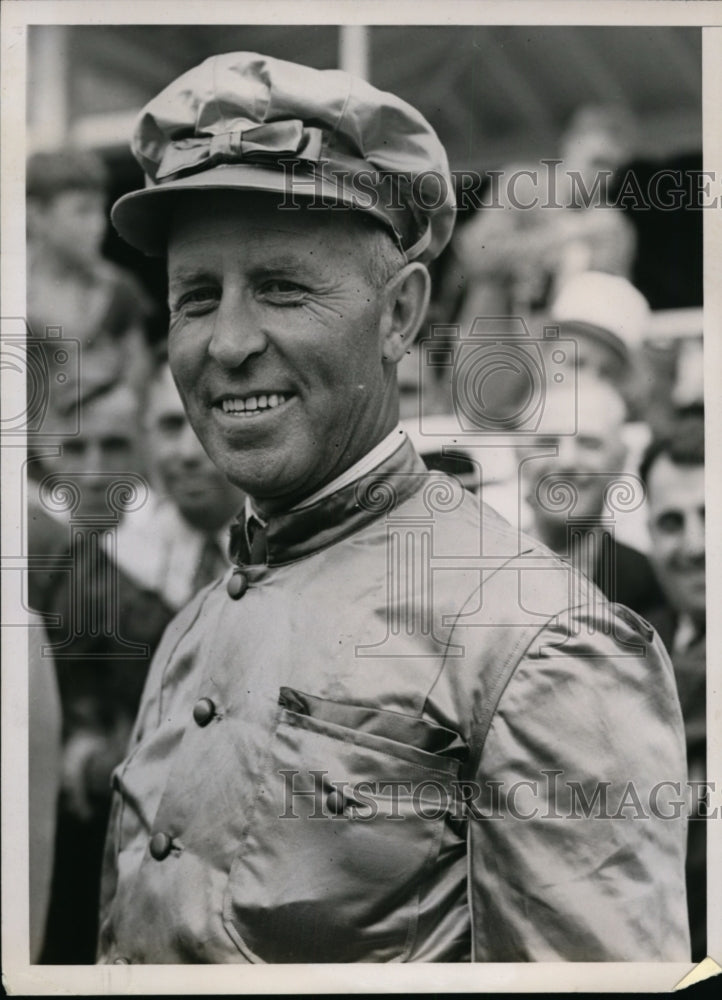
x=675, y=486
x=115, y=417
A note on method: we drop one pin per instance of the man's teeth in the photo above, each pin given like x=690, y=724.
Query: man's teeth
x=252, y=404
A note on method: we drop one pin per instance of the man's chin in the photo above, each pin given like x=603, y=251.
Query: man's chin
x=697, y=612
x=261, y=484
x=204, y=518
x=193, y=511
x=694, y=592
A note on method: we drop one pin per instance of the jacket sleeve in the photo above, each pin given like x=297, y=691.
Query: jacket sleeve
x=577, y=845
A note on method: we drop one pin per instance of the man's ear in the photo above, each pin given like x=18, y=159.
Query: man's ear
x=406, y=299
x=620, y=453
x=34, y=216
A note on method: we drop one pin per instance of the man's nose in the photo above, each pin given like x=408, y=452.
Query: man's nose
x=567, y=458
x=237, y=335
x=93, y=459
x=189, y=447
x=693, y=537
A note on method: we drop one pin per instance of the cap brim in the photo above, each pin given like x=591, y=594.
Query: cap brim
x=598, y=333
x=143, y=218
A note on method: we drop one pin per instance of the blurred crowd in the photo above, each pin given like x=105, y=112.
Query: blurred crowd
x=541, y=380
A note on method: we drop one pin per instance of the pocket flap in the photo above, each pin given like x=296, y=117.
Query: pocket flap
x=406, y=729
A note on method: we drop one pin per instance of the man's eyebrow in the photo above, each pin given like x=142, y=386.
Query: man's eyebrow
x=182, y=274
x=281, y=262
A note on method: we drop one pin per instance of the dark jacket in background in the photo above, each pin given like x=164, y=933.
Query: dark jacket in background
x=108, y=628
x=632, y=581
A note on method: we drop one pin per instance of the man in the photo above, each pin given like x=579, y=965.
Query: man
x=322, y=692
x=160, y=556
x=102, y=628
x=570, y=491
x=70, y=284
x=673, y=472
x=546, y=227
x=604, y=316
x=182, y=543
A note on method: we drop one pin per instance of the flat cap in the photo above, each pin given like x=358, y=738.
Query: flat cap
x=605, y=307
x=247, y=121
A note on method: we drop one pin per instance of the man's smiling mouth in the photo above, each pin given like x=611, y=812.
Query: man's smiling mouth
x=247, y=406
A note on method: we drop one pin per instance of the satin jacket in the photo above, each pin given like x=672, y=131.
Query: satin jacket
x=411, y=734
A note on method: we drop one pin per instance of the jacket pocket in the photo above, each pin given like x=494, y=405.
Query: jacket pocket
x=345, y=831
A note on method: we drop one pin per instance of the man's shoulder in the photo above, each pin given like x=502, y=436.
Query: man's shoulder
x=457, y=515
x=477, y=556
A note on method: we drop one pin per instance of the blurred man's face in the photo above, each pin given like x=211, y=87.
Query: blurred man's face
x=201, y=493
x=103, y=450
x=599, y=360
x=594, y=150
x=688, y=388
x=585, y=461
x=275, y=343
x=73, y=225
x=675, y=498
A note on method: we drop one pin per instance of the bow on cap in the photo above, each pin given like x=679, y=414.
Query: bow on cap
x=268, y=142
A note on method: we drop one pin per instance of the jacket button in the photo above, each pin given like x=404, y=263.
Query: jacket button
x=237, y=585
x=203, y=711
x=335, y=803
x=160, y=846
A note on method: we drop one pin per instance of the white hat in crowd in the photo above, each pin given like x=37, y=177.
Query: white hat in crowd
x=605, y=307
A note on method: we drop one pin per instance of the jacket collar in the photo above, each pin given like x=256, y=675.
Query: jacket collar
x=305, y=530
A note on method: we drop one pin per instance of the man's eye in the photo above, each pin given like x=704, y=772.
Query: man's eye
x=196, y=299
x=589, y=443
x=115, y=443
x=171, y=423
x=670, y=522
x=74, y=447
x=280, y=292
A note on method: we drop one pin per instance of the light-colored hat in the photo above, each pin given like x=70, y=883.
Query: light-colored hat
x=246, y=121
x=605, y=307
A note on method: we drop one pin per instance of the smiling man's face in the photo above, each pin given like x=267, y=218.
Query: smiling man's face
x=584, y=463
x=276, y=342
x=676, y=503
x=202, y=494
